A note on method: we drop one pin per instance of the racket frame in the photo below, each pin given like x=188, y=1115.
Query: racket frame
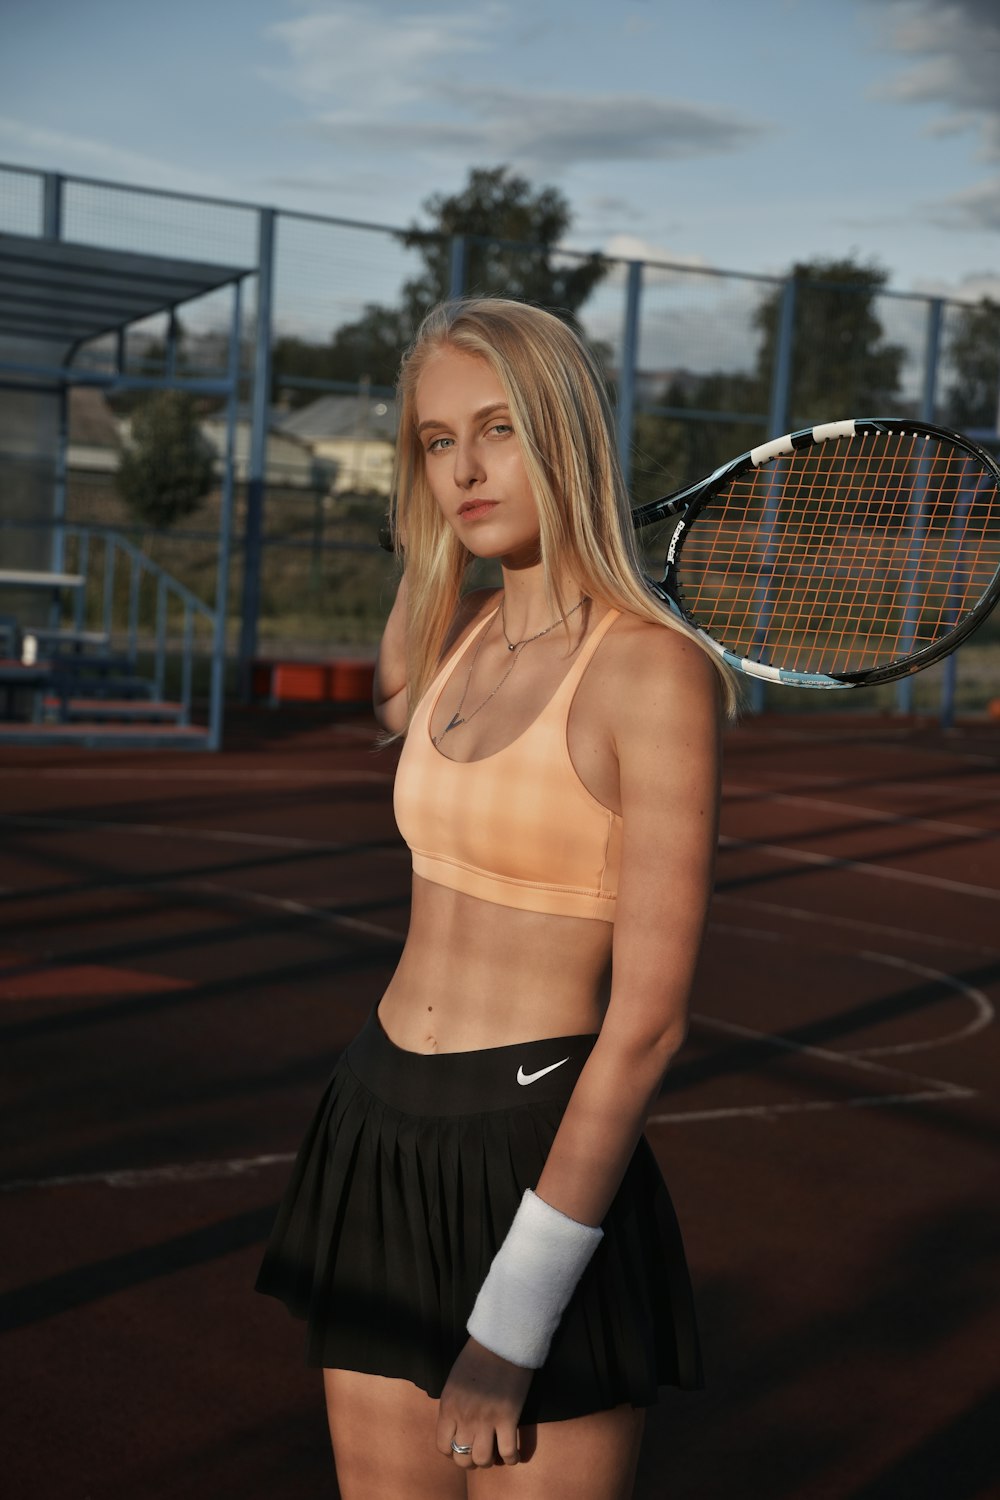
x=689, y=502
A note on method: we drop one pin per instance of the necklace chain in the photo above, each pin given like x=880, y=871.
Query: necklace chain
x=516, y=647
x=513, y=645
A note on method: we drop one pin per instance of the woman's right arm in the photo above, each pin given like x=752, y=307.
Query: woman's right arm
x=389, y=692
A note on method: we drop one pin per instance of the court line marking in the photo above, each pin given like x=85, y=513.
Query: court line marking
x=983, y=1011
x=887, y=739
x=934, y=1090
x=745, y=793
x=831, y=919
x=861, y=867
x=285, y=904
x=178, y=831
x=128, y=1177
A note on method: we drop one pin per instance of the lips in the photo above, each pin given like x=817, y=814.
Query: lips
x=471, y=509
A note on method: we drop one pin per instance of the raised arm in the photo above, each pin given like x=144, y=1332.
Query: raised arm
x=389, y=697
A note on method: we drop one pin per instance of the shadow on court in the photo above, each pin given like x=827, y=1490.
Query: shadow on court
x=187, y=943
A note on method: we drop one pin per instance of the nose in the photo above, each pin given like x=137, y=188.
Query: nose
x=468, y=466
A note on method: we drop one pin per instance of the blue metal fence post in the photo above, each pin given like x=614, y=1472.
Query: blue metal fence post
x=779, y=410
x=458, y=265
x=257, y=460
x=928, y=403
x=629, y=362
x=52, y=205
x=778, y=422
x=52, y=216
x=218, y=689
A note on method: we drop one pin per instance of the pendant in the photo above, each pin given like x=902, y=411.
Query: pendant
x=514, y=647
x=452, y=723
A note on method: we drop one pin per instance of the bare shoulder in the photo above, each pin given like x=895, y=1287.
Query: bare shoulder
x=652, y=671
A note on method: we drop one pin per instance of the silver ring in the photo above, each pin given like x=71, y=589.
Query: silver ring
x=460, y=1447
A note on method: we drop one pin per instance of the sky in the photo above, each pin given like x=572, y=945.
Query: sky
x=745, y=134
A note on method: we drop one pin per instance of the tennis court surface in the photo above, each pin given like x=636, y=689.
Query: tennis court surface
x=188, y=942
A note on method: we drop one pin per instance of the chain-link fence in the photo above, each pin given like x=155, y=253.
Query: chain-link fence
x=704, y=363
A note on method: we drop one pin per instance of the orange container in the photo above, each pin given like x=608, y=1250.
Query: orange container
x=351, y=681
x=300, y=682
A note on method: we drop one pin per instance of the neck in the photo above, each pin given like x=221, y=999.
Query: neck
x=526, y=609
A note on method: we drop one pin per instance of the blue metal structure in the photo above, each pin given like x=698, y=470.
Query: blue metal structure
x=58, y=296
x=277, y=246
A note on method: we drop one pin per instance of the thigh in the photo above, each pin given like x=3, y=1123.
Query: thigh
x=585, y=1458
x=382, y=1432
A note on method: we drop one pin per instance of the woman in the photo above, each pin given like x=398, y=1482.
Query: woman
x=475, y=1228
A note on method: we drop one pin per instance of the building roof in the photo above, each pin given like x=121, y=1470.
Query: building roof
x=343, y=417
x=54, y=291
x=91, y=420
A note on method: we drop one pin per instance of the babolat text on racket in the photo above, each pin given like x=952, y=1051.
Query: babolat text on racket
x=847, y=554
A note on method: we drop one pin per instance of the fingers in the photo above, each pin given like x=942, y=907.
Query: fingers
x=486, y=1447
x=507, y=1449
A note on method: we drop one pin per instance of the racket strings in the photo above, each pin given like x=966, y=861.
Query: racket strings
x=845, y=556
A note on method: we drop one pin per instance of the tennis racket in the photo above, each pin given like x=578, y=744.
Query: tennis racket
x=839, y=556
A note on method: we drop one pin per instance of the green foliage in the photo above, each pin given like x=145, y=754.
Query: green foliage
x=841, y=366
x=169, y=466
x=974, y=351
x=495, y=205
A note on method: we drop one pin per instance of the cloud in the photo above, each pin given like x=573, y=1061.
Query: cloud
x=358, y=55
x=371, y=80
x=662, y=266
x=968, y=288
x=552, y=130
x=976, y=208
x=953, y=48
x=30, y=144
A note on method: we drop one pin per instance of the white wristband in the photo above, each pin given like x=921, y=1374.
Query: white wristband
x=533, y=1276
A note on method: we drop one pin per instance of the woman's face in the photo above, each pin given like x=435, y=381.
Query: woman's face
x=473, y=459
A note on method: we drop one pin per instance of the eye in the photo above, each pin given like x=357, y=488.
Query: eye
x=503, y=428
x=436, y=444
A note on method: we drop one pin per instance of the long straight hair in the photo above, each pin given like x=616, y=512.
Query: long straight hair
x=564, y=423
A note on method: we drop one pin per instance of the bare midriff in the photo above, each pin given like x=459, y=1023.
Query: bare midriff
x=475, y=974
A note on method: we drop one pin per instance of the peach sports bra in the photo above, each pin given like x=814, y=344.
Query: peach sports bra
x=517, y=827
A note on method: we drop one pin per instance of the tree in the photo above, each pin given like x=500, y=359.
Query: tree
x=168, y=468
x=841, y=365
x=974, y=351
x=495, y=206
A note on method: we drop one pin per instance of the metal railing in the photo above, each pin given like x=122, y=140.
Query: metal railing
x=718, y=356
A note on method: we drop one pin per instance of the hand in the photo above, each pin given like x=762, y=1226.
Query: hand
x=480, y=1405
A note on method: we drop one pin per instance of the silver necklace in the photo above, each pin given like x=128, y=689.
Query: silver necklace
x=516, y=647
x=513, y=645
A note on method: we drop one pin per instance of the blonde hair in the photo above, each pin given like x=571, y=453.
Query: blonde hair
x=563, y=421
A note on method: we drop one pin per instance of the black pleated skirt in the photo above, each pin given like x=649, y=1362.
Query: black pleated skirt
x=406, y=1184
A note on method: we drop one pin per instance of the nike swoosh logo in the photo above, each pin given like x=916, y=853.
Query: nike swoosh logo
x=523, y=1077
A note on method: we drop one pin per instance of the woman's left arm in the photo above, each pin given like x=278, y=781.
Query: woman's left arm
x=667, y=740
x=667, y=732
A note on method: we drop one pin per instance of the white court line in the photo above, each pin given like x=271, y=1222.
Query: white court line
x=887, y=739
x=177, y=831
x=959, y=788
x=933, y=1091
x=283, y=903
x=857, y=924
x=179, y=773
x=983, y=1011
x=929, y=1090
x=899, y=820
x=862, y=867
x=127, y=1177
